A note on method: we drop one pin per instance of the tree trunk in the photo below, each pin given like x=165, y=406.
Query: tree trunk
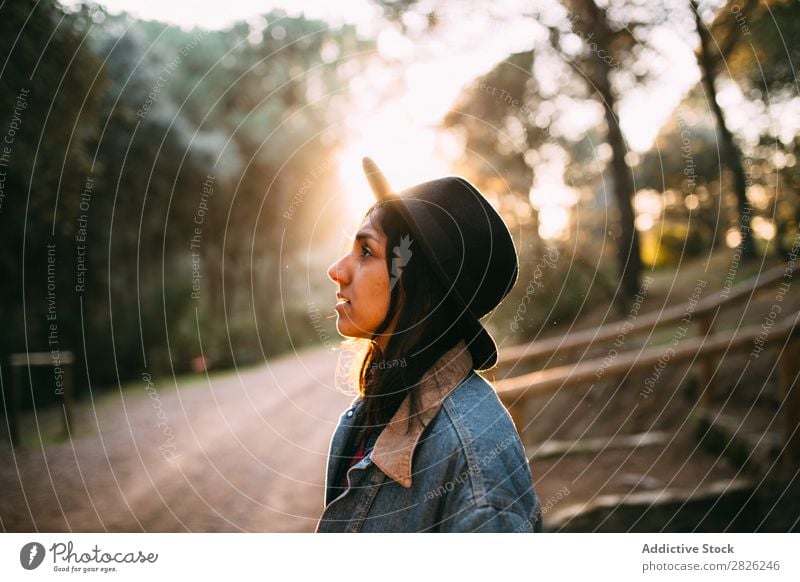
x=629, y=260
x=732, y=155
x=628, y=254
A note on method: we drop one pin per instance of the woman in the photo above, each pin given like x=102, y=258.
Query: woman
x=427, y=445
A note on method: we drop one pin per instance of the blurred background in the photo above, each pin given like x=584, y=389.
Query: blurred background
x=175, y=178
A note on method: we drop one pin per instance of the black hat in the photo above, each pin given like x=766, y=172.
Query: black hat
x=467, y=244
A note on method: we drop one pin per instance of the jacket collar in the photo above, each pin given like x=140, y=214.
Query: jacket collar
x=394, y=448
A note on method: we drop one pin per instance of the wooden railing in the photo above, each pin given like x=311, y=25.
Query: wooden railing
x=703, y=347
x=12, y=390
x=644, y=323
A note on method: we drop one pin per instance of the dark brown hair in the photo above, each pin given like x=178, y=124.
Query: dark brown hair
x=427, y=325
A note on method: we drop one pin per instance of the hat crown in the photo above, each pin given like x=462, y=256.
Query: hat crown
x=467, y=244
x=467, y=238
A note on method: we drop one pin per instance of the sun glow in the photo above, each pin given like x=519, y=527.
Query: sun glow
x=406, y=154
x=402, y=134
x=551, y=197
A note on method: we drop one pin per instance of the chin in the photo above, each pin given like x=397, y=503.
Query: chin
x=351, y=331
x=346, y=330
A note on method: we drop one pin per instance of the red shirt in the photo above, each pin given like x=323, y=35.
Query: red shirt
x=355, y=459
x=359, y=454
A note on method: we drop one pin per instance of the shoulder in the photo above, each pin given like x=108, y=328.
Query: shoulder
x=478, y=427
x=486, y=483
x=476, y=412
x=471, y=412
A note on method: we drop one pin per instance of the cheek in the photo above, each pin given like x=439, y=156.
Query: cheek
x=379, y=292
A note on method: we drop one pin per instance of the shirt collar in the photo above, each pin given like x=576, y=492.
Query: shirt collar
x=395, y=446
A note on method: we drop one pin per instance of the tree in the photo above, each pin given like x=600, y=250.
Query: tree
x=709, y=60
x=608, y=45
x=608, y=36
x=760, y=58
x=50, y=90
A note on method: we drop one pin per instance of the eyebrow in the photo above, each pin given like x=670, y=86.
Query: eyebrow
x=363, y=234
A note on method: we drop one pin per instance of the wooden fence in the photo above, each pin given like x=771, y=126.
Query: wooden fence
x=704, y=348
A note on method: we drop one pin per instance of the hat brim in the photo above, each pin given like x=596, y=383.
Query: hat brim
x=481, y=345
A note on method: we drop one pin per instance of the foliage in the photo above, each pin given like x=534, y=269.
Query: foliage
x=162, y=162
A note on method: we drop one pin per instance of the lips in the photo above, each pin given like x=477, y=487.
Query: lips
x=342, y=300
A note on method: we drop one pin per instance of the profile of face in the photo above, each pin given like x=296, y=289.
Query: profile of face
x=364, y=292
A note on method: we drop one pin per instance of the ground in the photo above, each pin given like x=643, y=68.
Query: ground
x=247, y=453
x=246, y=450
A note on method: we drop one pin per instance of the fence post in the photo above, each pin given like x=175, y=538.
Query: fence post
x=12, y=390
x=516, y=409
x=788, y=377
x=517, y=412
x=706, y=365
x=68, y=395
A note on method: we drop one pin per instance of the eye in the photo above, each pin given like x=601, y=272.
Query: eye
x=365, y=251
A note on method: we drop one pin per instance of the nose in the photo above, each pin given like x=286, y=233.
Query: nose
x=336, y=272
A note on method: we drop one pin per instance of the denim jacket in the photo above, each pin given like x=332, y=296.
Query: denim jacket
x=463, y=470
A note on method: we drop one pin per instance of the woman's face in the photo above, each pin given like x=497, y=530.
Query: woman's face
x=363, y=296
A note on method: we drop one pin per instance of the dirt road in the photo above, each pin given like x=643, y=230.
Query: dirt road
x=237, y=452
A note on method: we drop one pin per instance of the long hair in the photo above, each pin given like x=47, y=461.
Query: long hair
x=426, y=325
